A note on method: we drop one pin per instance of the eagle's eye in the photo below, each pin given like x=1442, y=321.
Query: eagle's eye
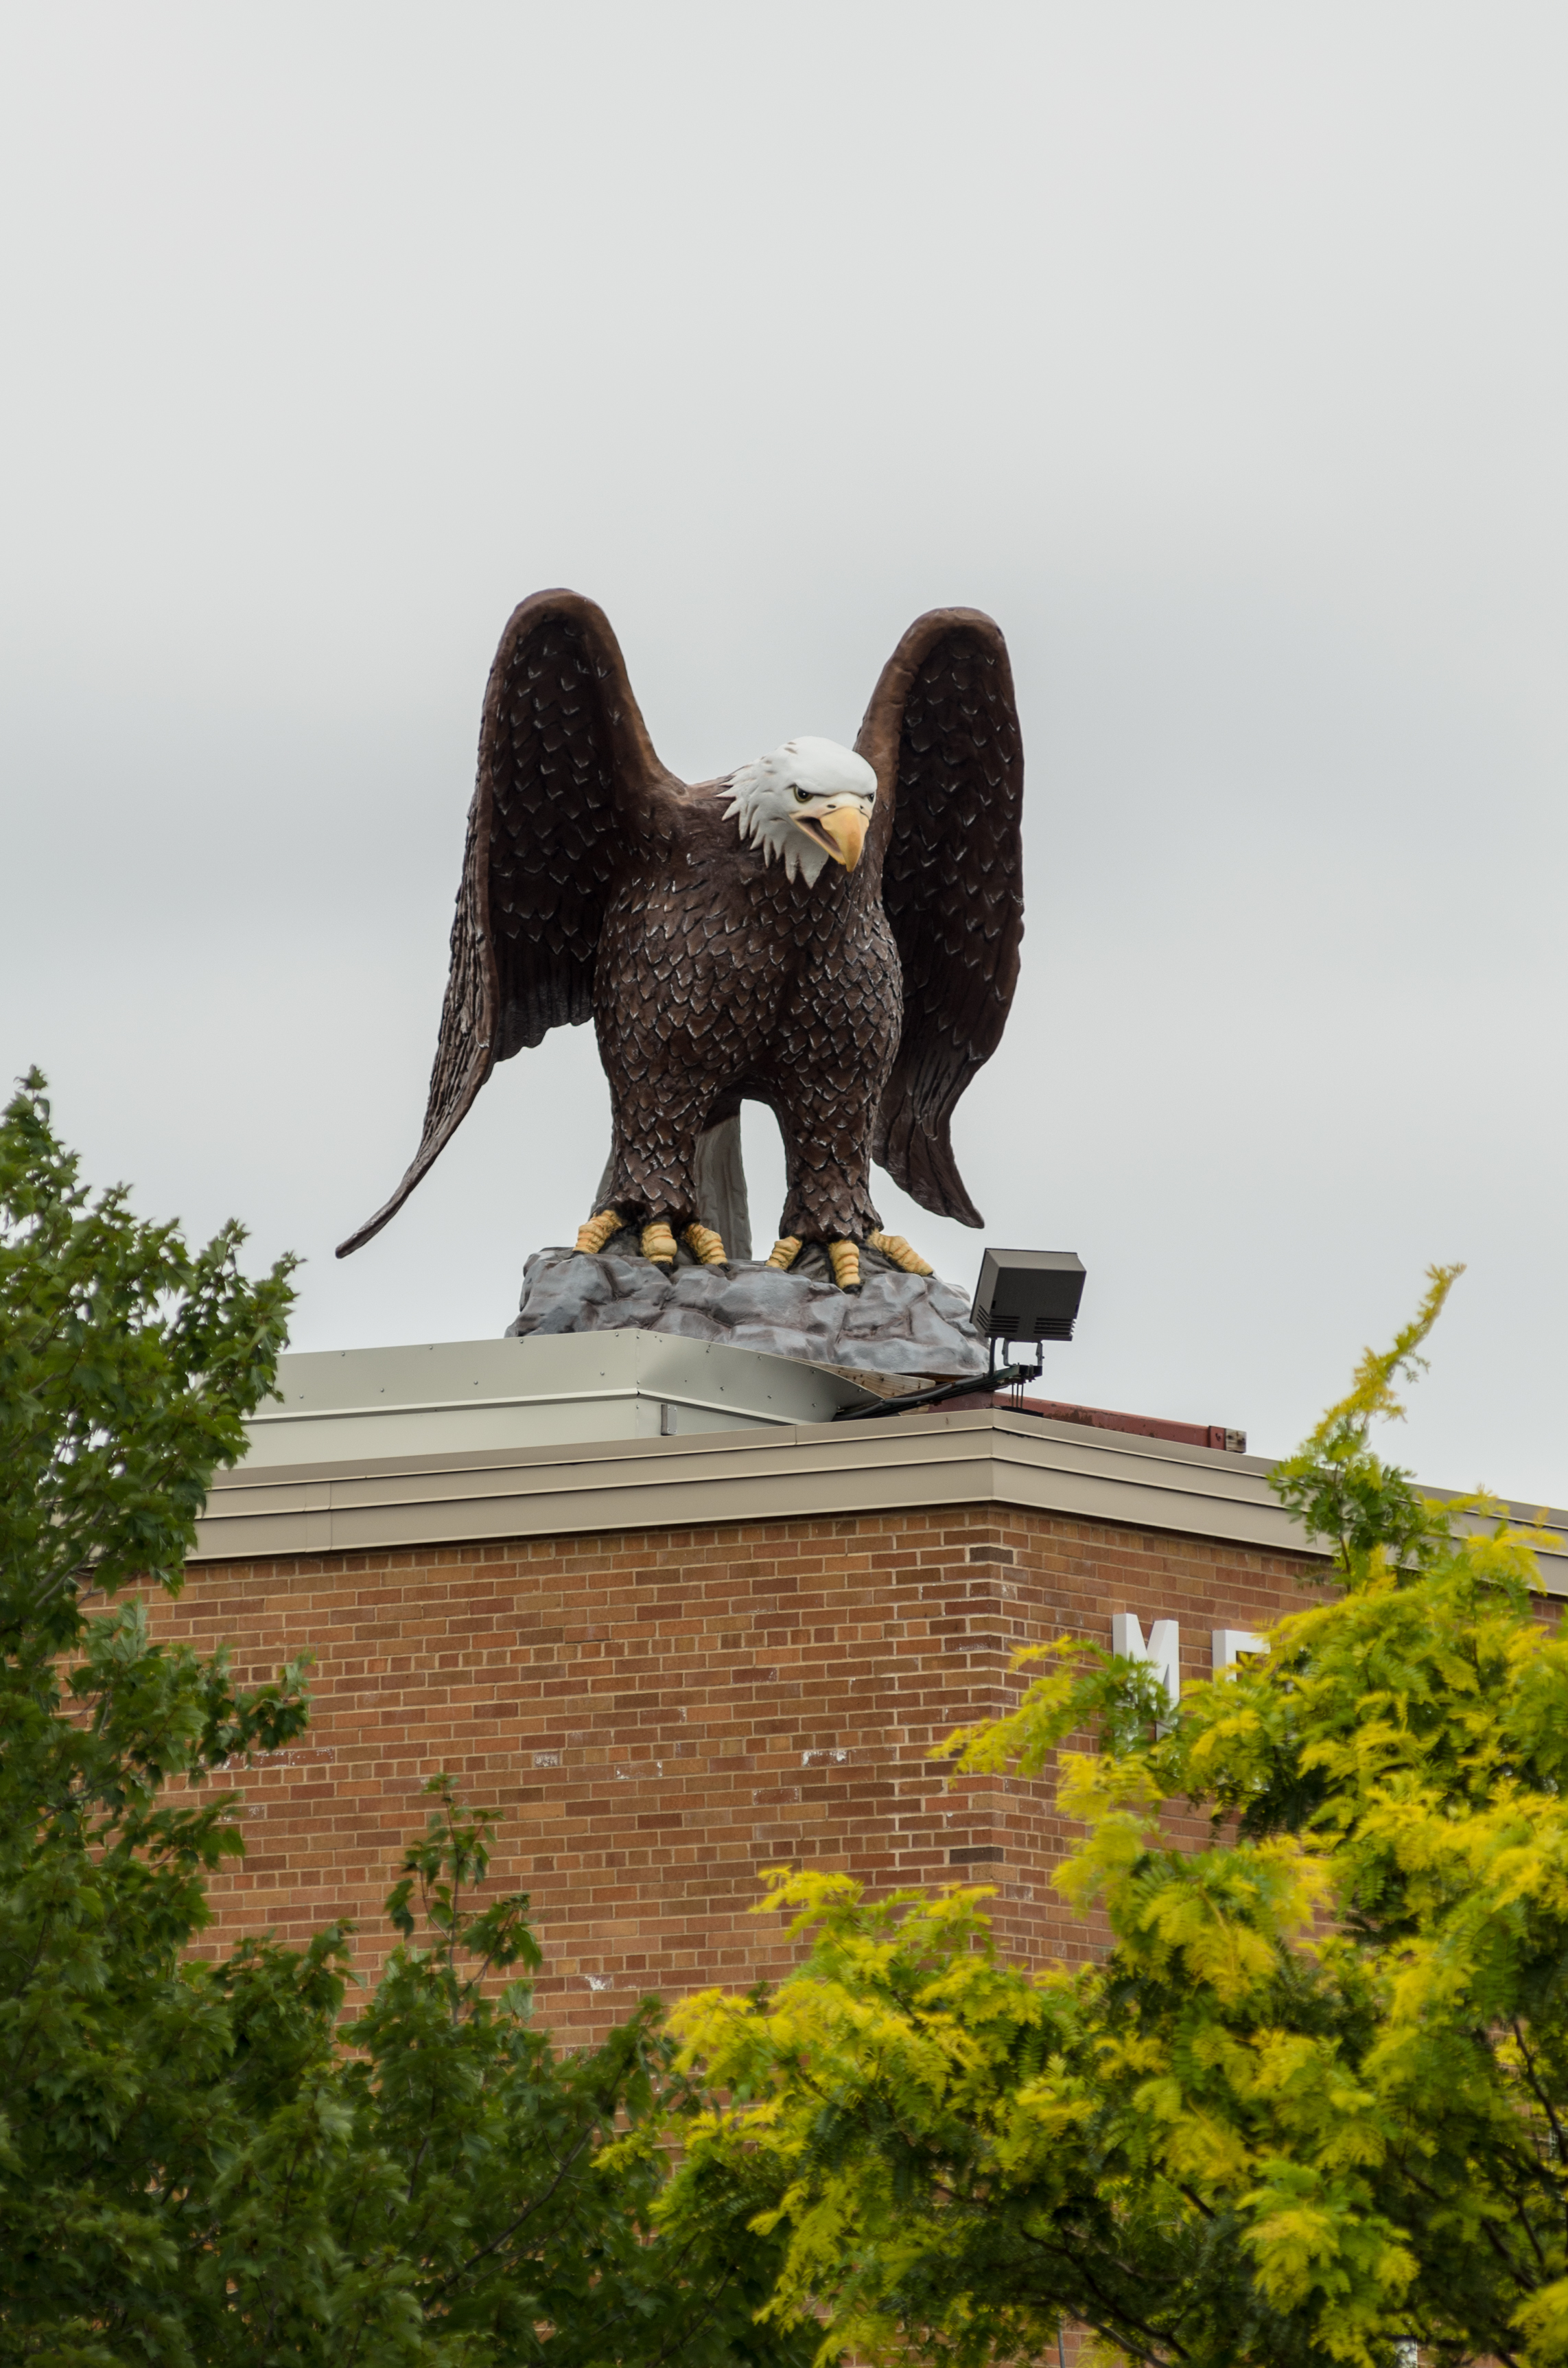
x=802, y=797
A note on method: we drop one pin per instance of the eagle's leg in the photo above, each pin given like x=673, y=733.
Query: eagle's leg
x=784, y=1253
x=826, y=1109
x=651, y=1180
x=593, y=1236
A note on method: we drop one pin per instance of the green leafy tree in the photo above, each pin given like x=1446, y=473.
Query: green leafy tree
x=449, y=2189
x=1311, y=2103
x=199, y=2162
x=127, y=1365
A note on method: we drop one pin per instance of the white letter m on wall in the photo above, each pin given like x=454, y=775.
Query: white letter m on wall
x=1163, y=1651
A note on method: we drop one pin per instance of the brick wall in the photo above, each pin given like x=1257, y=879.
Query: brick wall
x=660, y=1716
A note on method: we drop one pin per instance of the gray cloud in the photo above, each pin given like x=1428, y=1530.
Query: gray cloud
x=1219, y=352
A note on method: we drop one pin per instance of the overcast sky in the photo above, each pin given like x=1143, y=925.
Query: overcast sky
x=1218, y=351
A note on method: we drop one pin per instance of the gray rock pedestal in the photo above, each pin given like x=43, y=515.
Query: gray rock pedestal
x=900, y=1325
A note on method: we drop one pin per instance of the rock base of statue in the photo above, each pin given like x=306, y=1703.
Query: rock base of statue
x=902, y=1327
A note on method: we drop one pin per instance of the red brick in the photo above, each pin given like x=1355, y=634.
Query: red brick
x=682, y=1677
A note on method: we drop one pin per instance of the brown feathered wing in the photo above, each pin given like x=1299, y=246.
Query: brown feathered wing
x=942, y=735
x=567, y=776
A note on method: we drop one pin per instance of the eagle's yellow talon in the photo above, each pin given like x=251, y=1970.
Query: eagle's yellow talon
x=894, y=1247
x=705, y=1244
x=593, y=1236
x=783, y=1254
x=658, y=1245
x=844, y=1259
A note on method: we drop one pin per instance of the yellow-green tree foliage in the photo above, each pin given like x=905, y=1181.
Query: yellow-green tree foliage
x=1313, y=2104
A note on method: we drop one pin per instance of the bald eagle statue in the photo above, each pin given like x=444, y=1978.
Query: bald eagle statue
x=834, y=932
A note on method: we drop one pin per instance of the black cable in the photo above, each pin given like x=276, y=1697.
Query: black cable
x=996, y=1377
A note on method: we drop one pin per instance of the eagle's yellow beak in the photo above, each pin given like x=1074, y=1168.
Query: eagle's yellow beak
x=845, y=827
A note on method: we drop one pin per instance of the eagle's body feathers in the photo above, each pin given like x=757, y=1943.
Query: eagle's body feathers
x=831, y=932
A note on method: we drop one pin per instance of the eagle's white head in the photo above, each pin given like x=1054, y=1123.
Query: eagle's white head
x=809, y=802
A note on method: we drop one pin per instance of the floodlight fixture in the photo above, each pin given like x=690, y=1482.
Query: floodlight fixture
x=1021, y=1295
x=1029, y=1295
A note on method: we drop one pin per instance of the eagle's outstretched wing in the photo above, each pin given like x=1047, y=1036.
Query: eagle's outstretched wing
x=942, y=734
x=566, y=773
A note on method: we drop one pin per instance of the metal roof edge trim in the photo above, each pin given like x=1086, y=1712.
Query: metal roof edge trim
x=795, y=1473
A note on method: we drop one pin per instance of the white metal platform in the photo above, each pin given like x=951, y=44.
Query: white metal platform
x=338, y=1405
